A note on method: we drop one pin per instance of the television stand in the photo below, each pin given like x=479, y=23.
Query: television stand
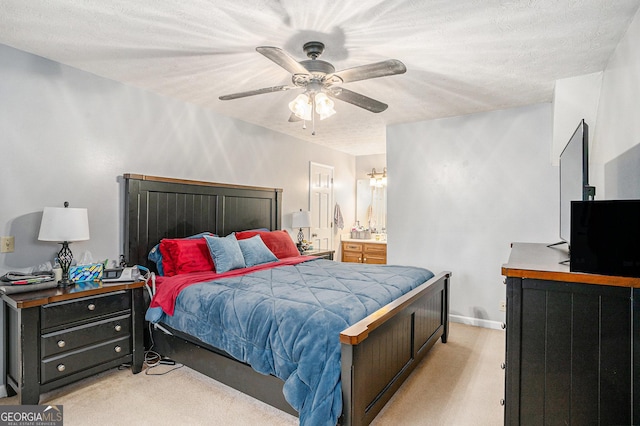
x=556, y=244
x=571, y=344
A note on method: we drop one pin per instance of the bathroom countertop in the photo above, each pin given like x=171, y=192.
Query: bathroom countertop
x=361, y=240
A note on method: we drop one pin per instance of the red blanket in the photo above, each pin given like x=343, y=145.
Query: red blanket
x=168, y=288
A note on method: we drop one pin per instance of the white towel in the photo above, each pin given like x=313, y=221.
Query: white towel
x=337, y=217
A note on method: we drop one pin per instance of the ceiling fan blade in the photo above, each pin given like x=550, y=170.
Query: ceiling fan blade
x=283, y=59
x=364, y=72
x=358, y=100
x=256, y=92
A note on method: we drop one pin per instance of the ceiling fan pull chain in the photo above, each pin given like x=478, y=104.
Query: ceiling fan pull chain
x=313, y=114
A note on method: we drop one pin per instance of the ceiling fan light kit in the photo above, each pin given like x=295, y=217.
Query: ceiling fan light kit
x=301, y=107
x=321, y=83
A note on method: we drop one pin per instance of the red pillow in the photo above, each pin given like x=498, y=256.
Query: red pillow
x=279, y=242
x=181, y=256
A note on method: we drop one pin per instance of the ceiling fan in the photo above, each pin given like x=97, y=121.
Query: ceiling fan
x=320, y=82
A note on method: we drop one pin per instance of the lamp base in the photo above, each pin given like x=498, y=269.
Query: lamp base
x=300, y=239
x=66, y=283
x=65, y=257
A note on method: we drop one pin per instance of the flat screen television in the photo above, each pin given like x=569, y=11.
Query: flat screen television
x=574, y=177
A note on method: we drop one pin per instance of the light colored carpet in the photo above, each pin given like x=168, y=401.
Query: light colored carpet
x=458, y=383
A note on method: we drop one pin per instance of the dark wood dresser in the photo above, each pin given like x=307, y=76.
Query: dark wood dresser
x=58, y=336
x=572, y=344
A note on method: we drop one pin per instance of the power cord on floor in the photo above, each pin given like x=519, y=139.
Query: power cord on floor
x=153, y=359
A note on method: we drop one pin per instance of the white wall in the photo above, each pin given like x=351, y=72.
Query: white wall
x=618, y=126
x=463, y=189
x=609, y=101
x=574, y=99
x=67, y=135
x=444, y=214
x=364, y=164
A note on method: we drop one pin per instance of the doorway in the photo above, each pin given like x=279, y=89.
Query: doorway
x=320, y=205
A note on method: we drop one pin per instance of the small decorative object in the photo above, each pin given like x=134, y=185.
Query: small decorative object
x=360, y=233
x=64, y=225
x=301, y=220
x=92, y=272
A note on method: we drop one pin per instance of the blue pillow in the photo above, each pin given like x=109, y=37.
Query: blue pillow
x=156, y=256
x=225, y=252
x=255, y=252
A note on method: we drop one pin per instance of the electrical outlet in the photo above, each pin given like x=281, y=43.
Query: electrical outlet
x=503, y=305
x=7, y=244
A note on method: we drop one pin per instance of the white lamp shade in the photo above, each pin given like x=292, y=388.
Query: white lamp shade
x=61, y=224
x=324, y=106
x=301, y=107
x=301, y=220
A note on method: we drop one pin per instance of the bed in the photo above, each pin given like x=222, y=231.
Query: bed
x=376, y=354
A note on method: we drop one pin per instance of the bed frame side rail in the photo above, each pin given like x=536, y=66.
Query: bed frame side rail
x=379, y=352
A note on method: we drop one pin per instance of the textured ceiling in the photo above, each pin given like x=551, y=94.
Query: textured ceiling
x=462, y=56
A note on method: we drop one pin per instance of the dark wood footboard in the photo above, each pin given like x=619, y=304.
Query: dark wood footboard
x=379, y=352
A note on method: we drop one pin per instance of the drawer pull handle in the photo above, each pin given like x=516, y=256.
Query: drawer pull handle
x=503, y=365
x=91, y=307
x=61, y=343
x=61, y=367
x=118, y=349
x=118, y=327
x=503, y=326
x=502, y=402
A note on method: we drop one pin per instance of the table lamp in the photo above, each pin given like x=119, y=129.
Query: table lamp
x=301, y=220
x=64, y=225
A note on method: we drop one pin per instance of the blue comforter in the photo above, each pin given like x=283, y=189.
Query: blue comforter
x=286, y=321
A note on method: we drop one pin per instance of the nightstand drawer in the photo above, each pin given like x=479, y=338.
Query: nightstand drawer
x=59, y=366
x=62, y=313
x=85, y=335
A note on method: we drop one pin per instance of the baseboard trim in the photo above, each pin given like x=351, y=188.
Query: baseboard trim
x=478, y=322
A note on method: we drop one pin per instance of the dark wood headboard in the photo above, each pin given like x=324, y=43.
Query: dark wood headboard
x=158, y=207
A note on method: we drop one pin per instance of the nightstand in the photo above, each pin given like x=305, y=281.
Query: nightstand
x=325, y=254
x=58, y=336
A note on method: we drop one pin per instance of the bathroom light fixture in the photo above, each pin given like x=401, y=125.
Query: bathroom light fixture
x=378, y=179
x=64, y=225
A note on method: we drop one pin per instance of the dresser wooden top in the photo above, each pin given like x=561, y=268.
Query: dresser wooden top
x=537, y=261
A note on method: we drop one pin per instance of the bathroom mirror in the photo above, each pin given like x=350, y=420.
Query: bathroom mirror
x=371, y=206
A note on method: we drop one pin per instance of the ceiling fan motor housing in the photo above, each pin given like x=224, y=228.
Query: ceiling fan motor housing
x=313, y=49
x=317, y=71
